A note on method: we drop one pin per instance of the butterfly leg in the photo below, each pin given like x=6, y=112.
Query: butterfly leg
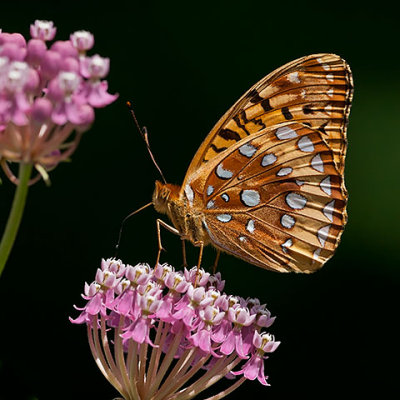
x=201, y=245
x=214, y=269
x=160, y=223
x=184, y=252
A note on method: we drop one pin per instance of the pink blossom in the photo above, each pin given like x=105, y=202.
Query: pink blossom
x=13, y=52
x=95, y=67
x=114, y=265
x=97, y=95
x=216, y=281
x=240, y=317
x=197, y=326
x=125, y=303
x=264, y=319
x=15, y=38
x=254, y=368
x=210, y=317
x=43, y=30
x=197, y=276
x=140, y=328
x=65, y=48
x=221, y=332
x=176, y=282
x=138, y=275
x=47, y=96
x=82, y=40
x=264, y=343
x=36, y=50
x=161, y=272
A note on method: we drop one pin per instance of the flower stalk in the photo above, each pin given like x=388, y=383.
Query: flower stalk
x=17, y=210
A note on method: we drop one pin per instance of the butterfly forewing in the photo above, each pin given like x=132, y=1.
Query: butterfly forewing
x=315, y=90
x=275, y=199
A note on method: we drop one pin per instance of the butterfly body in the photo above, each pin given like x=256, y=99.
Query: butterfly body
x=187, y=219
x=267, y=183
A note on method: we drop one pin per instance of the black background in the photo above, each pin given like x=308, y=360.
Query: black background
x=183, y=64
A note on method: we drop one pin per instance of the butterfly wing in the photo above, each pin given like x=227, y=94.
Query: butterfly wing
x=315, y=90
x=276, y=199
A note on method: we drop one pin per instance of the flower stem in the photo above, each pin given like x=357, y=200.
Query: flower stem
x=14, y=219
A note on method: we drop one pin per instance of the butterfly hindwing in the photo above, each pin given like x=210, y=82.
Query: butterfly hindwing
x=275, y=199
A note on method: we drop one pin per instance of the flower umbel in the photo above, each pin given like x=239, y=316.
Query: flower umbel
x=47, y=100
x=154, y=335
x=47, y=96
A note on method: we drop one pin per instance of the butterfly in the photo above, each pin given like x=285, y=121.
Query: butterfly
x=267, y=184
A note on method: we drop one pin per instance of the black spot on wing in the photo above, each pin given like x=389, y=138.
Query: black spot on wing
x=229, y=134
x=322, y=127
x=258, y=122
x=243, y=116
x=239, y=123
x=286, y=113
x=307, y=109
x=266, y=105
x=217, y=149
x=254, y=97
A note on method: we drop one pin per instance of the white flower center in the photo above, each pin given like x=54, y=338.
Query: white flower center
x=98, y=66
x=43, y=29
x=69, y=82
x=17, y=76
x=42, y=24
x=82, y=39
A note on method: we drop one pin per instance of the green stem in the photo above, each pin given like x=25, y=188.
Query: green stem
x=14, y=219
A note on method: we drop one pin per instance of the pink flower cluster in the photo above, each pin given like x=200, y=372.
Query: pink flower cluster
x=47, y=92
x=179, y=315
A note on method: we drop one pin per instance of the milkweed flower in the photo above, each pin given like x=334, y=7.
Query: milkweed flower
x=163, y=334
x=47, y=96
x=48, y=93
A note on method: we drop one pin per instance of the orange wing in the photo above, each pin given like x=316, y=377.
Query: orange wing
x=315, y=90
x=275, y=199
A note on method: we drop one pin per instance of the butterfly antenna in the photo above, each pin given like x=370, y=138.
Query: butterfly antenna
x=123, y=222
x=145, y=137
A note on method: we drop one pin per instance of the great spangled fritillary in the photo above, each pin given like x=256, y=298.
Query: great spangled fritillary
x=266, y=185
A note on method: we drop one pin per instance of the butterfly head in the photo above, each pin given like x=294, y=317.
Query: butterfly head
x=163, y=194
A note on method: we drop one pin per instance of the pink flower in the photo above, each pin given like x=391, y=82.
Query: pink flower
x=210, y=317
x=113, y=265
x=200, y=277
x=138, y=275
x=43, y=30
x=216, y=281
x=189, y=328
x=139, y=330
x=82, y=40
x=161, y=271
x=95, y=68
x=254, y=368
x=176, y=282
x=47, y=96
x=240, y=317
x=36, y=50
